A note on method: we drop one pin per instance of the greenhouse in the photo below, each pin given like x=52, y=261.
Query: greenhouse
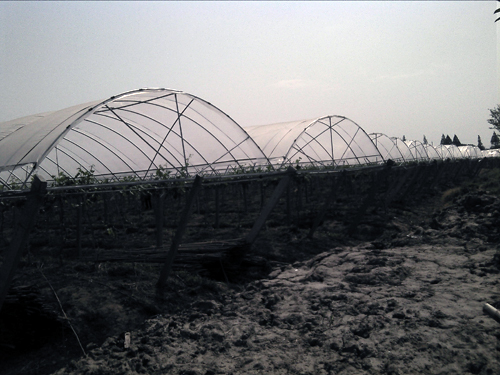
x=158, y=134
x=138, y=135
x=329, y=141
x=418, y=151
x=404, y=149
x=431, y=152
x=388, y=147
x=470, y=152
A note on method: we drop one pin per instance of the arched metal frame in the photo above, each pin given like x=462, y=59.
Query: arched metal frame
x=418, y=150
x=329, y=141
x=431, y=151
x=133, y=134
x=388, y=147
x=139, y=133
x=404, y=149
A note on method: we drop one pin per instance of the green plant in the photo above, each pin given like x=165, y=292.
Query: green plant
x=162, y=173
x=85, y=176
x=62, y=179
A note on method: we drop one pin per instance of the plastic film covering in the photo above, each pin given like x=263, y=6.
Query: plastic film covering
x=495, y=153
x=418, y=150
x=454, y=151
x=404, y=149
x=470, y=152
x=444, y=152
x=134, y=135
x=322, y=142
x=387, y=147
x=431, y=152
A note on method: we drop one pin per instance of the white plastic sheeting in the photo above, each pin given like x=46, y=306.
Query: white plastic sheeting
x=470, y=152
x=444, y=152
x=431, y=151
x=418, y=151
x=325, y=141
x=159, y=133
x=388, y=147
x=134, y=134
x=454, y=151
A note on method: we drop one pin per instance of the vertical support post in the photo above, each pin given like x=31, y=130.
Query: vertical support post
x=79, y=215
x=105, y=204
x=262, y=194
x=21, y=234
x=167, y=266
x=324, y=209
x=245, y=200
x=288, y=206
x=278, y=191
x=158, y=210
x=217, y=206
x=366, y=203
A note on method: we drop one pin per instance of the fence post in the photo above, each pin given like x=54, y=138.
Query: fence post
x=372, y=189
x=167, y=267
x=159, y=197
x=321, y=215
x=278, y=191
x=217, y=206
x=79, y=214
x=21, y=234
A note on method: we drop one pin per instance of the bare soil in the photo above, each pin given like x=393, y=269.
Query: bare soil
x=402, y=296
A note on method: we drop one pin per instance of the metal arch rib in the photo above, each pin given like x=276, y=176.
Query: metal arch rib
x=192, y=97
x=170, y=130
x=107, y=148
x=61, y=149
x=228, y=150
x=221, y=130
x=114, y=131
x=139, y=130
x=313, y=139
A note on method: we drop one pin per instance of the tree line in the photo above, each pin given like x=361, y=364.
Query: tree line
x=494, y=121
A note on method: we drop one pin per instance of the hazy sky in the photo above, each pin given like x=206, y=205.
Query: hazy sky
x=400, y=68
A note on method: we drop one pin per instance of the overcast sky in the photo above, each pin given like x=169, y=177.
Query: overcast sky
x=399, y=68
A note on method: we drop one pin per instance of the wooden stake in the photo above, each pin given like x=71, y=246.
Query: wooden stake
x=21, y=234
x=217, y=206
x=324, y=209
x=79, y=214
x=259, y=223
x=167, y=267
x=158, y=211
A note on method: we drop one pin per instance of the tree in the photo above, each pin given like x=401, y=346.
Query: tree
x=495, y=118
x=425, y=140
x=456, y=141
x=495, y=141
x=443, y=140
x=447, y=140
x=479, y=143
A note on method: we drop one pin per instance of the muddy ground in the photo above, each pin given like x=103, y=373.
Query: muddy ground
x=408, y=300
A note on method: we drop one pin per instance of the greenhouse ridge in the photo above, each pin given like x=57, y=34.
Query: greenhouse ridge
x=155, y=133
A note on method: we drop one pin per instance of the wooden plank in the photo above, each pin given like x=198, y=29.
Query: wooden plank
x=21, y=235
x=167, y=267
x=269, y=206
